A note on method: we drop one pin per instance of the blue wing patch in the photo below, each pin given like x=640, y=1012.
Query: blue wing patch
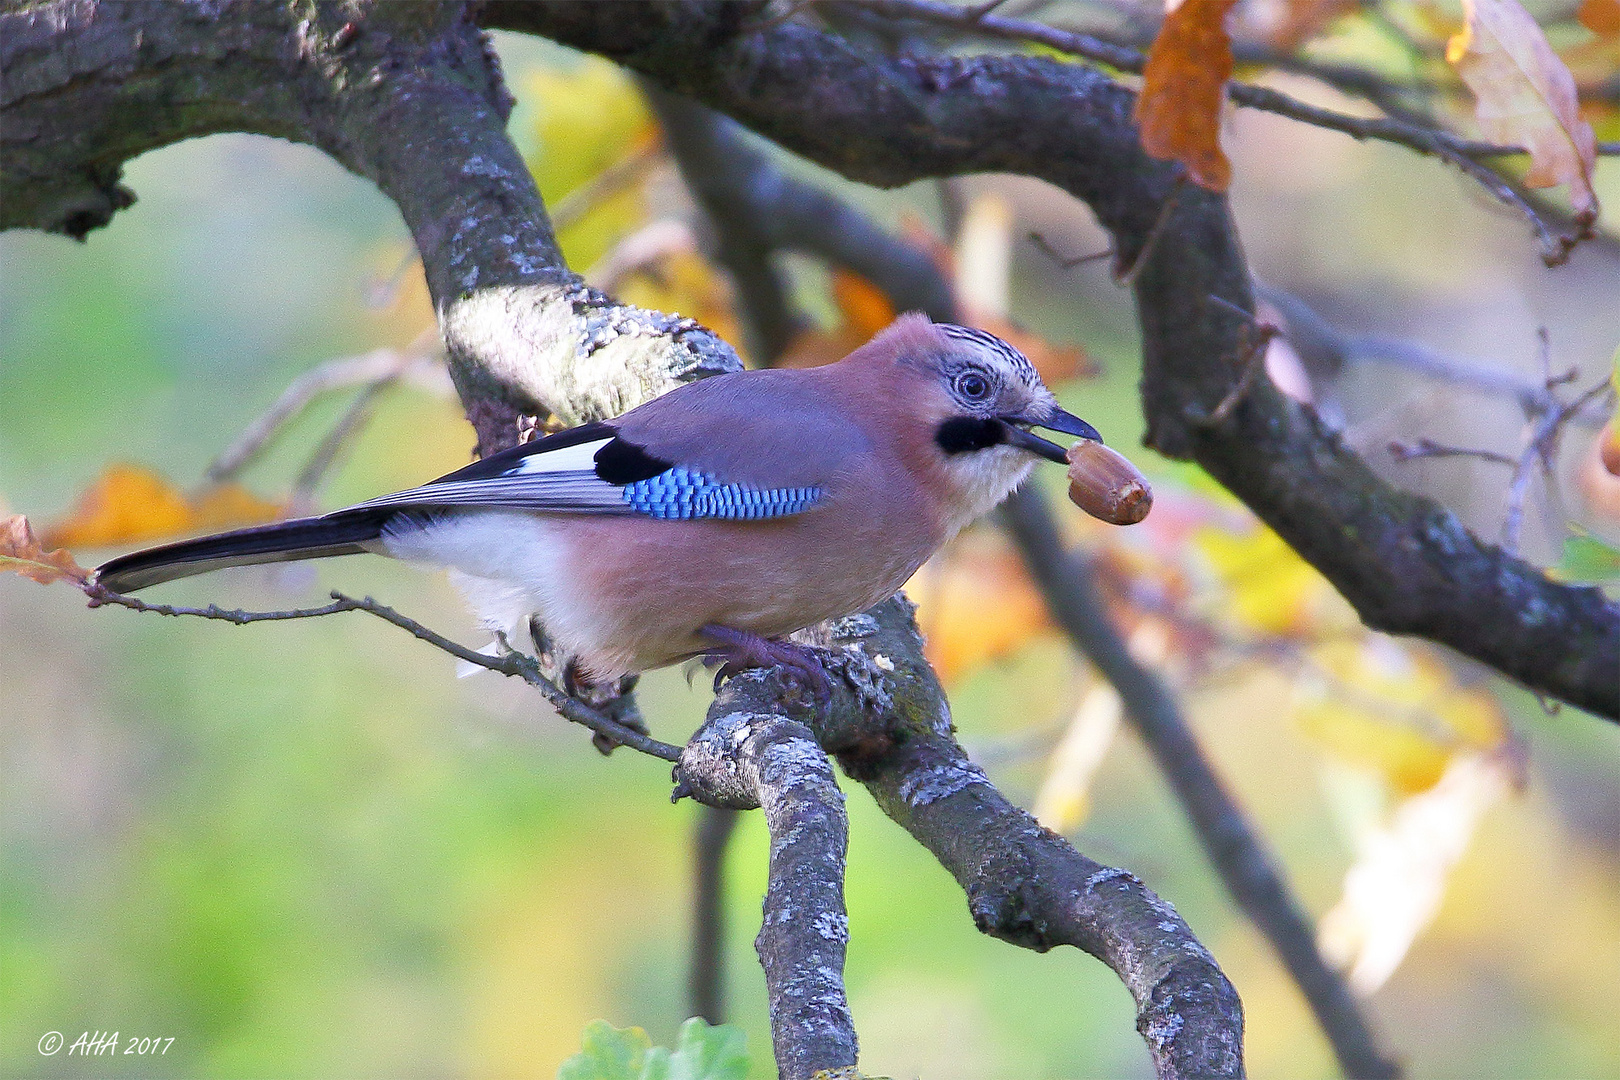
x=682, y=494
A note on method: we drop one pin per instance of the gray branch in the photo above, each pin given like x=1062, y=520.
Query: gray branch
x=1406, y=563
x=741, y=760
x=890, y=727
x=408, y=95
x=1245, y=867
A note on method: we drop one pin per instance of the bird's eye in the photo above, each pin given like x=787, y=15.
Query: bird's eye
x=972, y=386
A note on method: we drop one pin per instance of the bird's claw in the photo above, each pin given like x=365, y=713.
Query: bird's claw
x=738, y=651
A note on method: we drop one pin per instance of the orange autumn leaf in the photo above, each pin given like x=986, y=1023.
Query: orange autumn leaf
x=1602, y=17
x=1183, y=88
x=22, y=553
x=1525, y=96
x=128, y=503
x=864, y=310
x=976, y=604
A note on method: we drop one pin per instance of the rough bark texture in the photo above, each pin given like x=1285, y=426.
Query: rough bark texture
x=890, y=727
x=409, y=95
x=742, y=760
x=1243, y=863
x=1405, y=563
x=406, y=94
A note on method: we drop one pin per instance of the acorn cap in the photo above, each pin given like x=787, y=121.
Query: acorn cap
x=1104, y=484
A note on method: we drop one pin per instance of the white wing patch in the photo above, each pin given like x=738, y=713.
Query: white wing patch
x=581, y=457
x=561, y=479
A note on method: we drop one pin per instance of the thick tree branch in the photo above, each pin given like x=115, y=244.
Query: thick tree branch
x=1242, y=861
x=1405, y=563
x=741, y=760
x=890, y=726
x=87, y=85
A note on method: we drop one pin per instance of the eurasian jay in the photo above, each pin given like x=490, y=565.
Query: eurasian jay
x=712, y=521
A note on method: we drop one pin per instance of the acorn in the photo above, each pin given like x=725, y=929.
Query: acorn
x=1104, y=484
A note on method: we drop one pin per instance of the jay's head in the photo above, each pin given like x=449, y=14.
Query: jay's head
x=979, y=399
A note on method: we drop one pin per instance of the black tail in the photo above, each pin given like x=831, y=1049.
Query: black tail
x=342, y=533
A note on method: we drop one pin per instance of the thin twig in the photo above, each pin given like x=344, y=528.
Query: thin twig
x=332, y=375
x=1125, y=277
x=335, y=441
x=1252, y=363
x=1428, y=448
x=1325, y=348
x=1458, y=151
x=509, y=662
x=1065, y=261
x=609, y=182
x=1549, y=415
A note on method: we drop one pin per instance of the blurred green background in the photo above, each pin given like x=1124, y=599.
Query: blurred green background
x=307, y=850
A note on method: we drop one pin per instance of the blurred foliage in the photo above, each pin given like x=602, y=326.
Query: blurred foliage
x=701, y=1053
x=305, y=850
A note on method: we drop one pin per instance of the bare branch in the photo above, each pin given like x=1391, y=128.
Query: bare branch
x=1463, y=153
x=1244, y=865
x=739, y=760
x=889, y=724
x=373, y=367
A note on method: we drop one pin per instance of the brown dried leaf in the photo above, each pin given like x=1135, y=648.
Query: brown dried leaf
x=129, y=503
x=1525, y=96
x=22, y=553
x=1183, y=88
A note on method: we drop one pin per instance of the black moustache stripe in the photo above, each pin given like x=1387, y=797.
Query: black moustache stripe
x=964, y=434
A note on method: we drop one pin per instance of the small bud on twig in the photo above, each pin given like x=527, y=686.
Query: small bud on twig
x=1104, y=484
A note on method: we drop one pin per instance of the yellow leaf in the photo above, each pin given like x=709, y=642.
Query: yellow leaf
x=1183, y=88
x=129, y=503
x=1525, y=96
x=1273, y=589
x=22, y=553
x=591, y=116
x=1396, y=709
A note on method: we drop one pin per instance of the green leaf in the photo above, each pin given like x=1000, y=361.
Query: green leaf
x=607, y=1053
x=708, y=1053
x=1586, y=558
x=701, y=1053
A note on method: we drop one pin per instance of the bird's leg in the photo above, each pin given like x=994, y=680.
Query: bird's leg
x=741, y=650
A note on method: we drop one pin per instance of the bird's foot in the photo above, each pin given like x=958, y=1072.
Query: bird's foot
x=739, y=650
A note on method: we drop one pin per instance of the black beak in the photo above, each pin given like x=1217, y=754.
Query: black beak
x=1056, y=420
